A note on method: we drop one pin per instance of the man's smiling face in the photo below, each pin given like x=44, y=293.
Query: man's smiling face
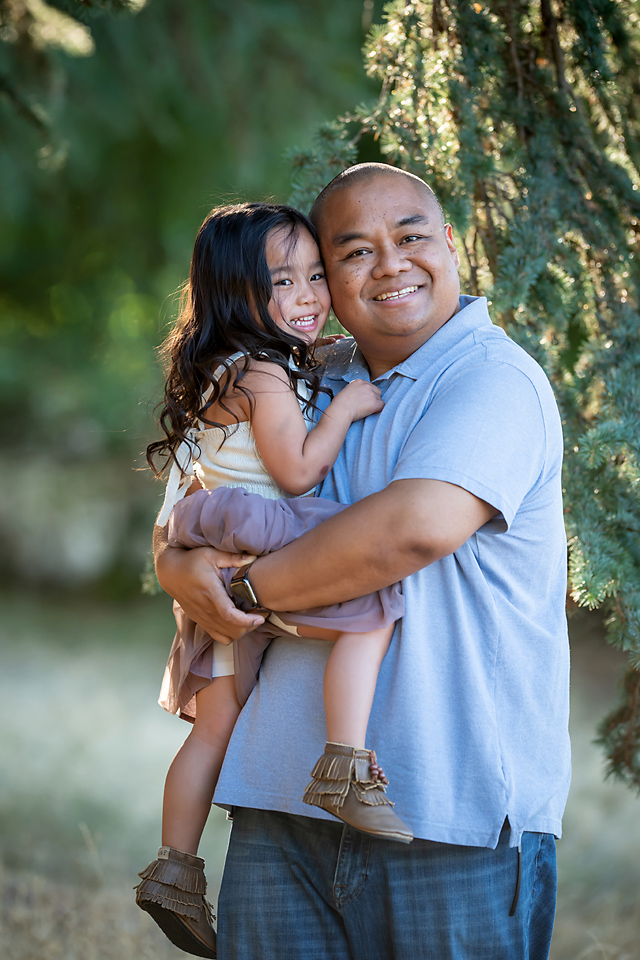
x=391, y=264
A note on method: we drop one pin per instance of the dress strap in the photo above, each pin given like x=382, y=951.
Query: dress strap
x=182, y=473
x=180, y=478
x=224, y=366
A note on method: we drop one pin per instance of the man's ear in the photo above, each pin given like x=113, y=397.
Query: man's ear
x=448, y=233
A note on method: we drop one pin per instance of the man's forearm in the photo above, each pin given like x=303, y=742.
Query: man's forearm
x=370, y=545
x=373, y=543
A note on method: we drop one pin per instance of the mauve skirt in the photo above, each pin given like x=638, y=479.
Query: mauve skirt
x=235, y=521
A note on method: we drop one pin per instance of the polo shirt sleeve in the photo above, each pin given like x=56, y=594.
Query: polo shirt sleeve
x=482, y=430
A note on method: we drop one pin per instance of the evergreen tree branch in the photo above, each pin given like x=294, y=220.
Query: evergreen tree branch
x=515, y=116
x=24, y=109
x=619, y=734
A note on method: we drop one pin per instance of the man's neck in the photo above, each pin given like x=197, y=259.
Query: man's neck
x=381, y=364
x=378, y=368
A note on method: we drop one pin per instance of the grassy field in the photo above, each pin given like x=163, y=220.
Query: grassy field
x=85, y=749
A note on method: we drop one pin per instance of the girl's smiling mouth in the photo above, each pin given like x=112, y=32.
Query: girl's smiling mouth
x=304, y=323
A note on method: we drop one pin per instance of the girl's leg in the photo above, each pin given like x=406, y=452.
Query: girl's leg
x=193, y=775
x=172, y=888
x=347, y=781
x=350, y=681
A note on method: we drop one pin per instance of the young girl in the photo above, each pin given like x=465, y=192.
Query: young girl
x=240, y=390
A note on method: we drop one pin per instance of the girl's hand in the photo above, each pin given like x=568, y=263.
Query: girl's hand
x=361, y=398
x=327, y=341
x=193, y=578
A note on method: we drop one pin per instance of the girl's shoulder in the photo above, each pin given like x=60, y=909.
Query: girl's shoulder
x=242, y=373
x=242, y=364
x=248, y=366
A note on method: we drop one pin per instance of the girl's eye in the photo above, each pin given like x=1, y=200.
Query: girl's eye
x=282, y=283
x=318, y=276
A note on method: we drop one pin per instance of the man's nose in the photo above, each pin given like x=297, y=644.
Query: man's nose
x=390, y=260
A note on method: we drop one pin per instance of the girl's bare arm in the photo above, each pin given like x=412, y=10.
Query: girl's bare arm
x=296, y=459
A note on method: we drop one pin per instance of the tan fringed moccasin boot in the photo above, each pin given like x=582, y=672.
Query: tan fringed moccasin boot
x=172, y=890
x=348, y=783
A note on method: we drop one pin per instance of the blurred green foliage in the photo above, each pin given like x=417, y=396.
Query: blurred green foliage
x=524, y=115
x=178, y=107
x=121, y=125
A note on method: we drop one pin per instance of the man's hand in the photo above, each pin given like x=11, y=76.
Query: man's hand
x=193, y=578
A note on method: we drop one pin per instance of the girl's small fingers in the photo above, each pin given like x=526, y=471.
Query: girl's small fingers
x=224, y=560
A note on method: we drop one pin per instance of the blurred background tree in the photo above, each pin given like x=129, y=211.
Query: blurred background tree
x=121, y=124
x=525, y=117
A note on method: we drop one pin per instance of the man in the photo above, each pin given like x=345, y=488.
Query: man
x=456, y=490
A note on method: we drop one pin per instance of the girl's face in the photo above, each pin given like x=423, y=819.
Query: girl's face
x=300, y=300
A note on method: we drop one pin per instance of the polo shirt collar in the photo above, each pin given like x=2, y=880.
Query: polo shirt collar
x=472, y=315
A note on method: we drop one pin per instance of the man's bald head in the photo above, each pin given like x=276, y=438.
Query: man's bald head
x=363, y=173
x=390, y=261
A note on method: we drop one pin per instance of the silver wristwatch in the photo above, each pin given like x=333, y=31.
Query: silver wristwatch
x=241, y=588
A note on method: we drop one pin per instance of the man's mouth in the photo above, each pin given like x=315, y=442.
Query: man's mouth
x=304, y=323
x=396, y=294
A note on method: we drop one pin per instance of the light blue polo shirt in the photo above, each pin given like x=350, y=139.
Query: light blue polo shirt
x=470, y=716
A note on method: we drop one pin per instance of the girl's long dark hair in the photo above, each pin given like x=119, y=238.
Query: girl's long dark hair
x=229, y=288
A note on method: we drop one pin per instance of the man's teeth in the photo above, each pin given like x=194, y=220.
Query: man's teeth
x=303, y=322
x=396, y=294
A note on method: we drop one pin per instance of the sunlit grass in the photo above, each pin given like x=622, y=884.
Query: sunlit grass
x=85, y=748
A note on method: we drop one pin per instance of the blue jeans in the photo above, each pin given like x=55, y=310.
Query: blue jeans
x=301, y=889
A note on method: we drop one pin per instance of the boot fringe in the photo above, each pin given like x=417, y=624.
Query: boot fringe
x=333, y=768
x=184, y=904
x=334, y=775
x=336, y=789
x=357, y=768
x=316, y=800
x=174, y=873
x=373, y=796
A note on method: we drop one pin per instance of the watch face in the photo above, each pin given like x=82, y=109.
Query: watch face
x=244, y=590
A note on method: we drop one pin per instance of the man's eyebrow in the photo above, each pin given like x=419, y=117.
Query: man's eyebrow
x=414, y=218
x=343, y=238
